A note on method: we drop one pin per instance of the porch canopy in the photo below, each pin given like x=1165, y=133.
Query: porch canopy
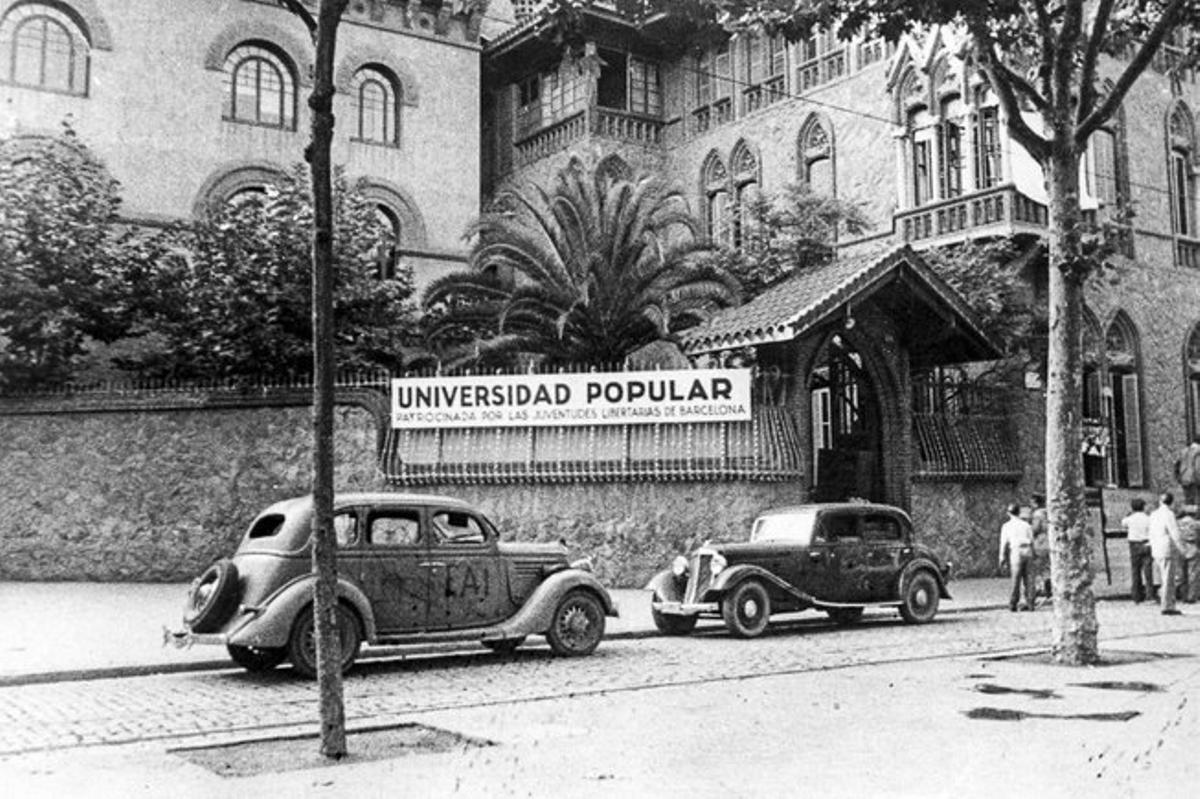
x=935, y=323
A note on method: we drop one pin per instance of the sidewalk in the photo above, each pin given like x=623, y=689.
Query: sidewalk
x=61, y=631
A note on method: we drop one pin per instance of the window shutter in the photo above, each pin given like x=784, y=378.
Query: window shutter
x=1133, y=430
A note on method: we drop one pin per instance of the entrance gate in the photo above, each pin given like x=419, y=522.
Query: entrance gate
x=845, y=426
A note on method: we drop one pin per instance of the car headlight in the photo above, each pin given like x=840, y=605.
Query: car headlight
x=679, y=566
x=718, y=564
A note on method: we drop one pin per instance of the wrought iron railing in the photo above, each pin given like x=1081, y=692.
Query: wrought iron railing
x=963, y=430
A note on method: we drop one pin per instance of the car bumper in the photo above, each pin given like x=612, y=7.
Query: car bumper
x=669, y=608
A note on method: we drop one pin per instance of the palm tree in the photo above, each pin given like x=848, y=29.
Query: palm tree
x=587, y=273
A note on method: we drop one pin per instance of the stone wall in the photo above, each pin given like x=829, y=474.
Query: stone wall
x=155, y=495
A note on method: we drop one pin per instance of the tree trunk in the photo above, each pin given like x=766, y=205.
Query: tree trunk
x=329, y=672
x=1075, y=628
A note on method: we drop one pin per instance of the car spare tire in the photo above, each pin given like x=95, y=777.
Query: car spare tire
x=212, y=597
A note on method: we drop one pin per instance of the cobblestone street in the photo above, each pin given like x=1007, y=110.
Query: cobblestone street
x=179, y=707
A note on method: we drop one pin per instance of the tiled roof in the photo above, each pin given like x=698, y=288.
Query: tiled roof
x=787, y=310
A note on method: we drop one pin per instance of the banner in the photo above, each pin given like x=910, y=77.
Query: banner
x=589, y=398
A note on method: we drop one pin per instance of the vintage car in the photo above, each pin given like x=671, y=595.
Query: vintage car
x=411, y=569
x=839, y=558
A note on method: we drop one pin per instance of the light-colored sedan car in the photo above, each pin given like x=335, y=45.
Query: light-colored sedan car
x=411, y=569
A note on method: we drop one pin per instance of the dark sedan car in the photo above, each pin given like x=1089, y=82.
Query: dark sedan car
x=839, y=558
x=412, y=568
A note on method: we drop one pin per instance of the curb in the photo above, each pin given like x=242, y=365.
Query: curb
x=224, y=664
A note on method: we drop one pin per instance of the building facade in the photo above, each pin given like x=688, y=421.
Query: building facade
x=912, y=134
x=190, y=103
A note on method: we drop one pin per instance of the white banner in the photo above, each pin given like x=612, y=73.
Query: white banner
x=590, y=398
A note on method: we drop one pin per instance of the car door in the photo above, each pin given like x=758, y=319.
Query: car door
x=391, y=568
x=851, y=560
x=467, y=587
x=883, y=538
x=820, y=565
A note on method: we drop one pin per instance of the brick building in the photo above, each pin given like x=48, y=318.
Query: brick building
x=193, y=102
x=912, y=134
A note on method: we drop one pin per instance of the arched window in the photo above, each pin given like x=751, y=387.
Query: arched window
x=1125, y=466
x=377, y=101
x=1191, y=367
x=1181, y=140
x=714, y=187
x=41, y=47
x=260, y=87
x=950, y=142
x=815, y=158
x=389, y=247
x=922, y=134
x=1095, y=430
x=744, y=164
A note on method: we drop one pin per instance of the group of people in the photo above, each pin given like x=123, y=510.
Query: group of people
x=1165, y=540
x=1168, y=541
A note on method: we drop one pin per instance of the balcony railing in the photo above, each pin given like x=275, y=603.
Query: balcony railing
x=823, y=69
x=626, y=126
x=1002, y=210
x=551, y=139
x=763, y=94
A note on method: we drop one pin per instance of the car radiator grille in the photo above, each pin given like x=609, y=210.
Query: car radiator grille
x=699, y=576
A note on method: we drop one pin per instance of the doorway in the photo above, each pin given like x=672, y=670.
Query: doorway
x=845, y=425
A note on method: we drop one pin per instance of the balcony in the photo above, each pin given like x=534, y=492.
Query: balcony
x=551, y=139
x=1187, y=252
x=1000, y=211
x=626, y=126
x=760, y=95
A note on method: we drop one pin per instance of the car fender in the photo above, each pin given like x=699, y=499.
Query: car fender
x=667, y=585
x=536, y=615
x=733, y=575
x=273, y=626
x=922, y=564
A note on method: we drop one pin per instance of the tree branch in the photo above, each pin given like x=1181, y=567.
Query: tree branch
x=1133, y=70
x=1034, y=144
x=1087, y=77
x=297, y=8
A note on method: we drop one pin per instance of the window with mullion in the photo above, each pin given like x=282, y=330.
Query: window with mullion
x=42, y=48
x=987, y=148
x=260, y=88
x=645, y=91
x=1182, y=193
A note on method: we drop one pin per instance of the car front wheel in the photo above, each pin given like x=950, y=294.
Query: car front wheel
x=577, y=626
x=746, y=609
x=302, y=645
x=919, y=601
x=257, y=660
x=670, y=623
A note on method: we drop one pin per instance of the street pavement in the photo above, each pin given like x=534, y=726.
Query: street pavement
x=77, y=630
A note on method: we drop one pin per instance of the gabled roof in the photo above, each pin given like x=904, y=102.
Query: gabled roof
x=936, y=324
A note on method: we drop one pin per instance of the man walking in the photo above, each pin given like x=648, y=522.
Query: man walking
x=1165, y=547
x=1141, y=563
x=1016, y=546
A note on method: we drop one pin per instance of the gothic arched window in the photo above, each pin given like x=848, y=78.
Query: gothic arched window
x=815, y=157
x=746, y=186
x=1181, y=140
x=714, y=190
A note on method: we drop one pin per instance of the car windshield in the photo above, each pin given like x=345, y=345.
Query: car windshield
x=796, y=526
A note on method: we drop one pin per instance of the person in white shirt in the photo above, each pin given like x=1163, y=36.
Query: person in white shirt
x=1016, y=546
x=1141, y=562
x=1165, y=546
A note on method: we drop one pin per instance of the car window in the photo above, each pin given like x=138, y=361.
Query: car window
x=266, y=526
x=796, y=526
x=345, y=528
x=395, y=528
x=455, y=527
x=880, y=528
x=840, y=527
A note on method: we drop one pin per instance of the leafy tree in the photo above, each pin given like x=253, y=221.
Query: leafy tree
x=792, y=230
x=1044, y=60
x=601, y=268
x=57, y=255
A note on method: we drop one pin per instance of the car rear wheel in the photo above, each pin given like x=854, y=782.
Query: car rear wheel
x=746, y=609
x=302, y=644
x=919, y=600
x=670, y=623
x=844, y=616
x=212, y=597
x=577, y=626
x=257, y=660
x=505, y=646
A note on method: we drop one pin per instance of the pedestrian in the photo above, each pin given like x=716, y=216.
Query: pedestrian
x=1187, y=472
x=1164, y=546
x=1039, y=521
x=1189, y=537
x=1141, y=563
x=1016, y=547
